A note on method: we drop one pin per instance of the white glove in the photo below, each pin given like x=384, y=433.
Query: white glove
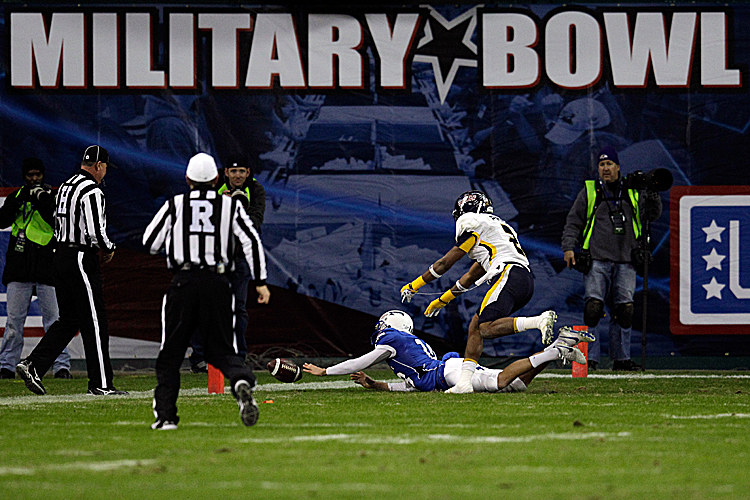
x=407, y=292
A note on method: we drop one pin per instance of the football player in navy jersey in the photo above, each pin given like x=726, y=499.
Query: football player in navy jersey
x=419, y=369
x=498, y=258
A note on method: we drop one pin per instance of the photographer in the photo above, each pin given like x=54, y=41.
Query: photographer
x=29, y=212
x=606, y=221
x=239, y=183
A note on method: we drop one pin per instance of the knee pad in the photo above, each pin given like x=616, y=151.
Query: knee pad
x=593, y=311
x=624, y=314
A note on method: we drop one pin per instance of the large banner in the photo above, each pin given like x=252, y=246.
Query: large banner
x=364, y=124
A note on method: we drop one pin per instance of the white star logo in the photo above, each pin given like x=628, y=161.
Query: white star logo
x=713, y=289
x=444, y=82
x=713, y=232
x=713, y=260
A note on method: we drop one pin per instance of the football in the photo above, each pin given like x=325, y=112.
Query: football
x=284, y=370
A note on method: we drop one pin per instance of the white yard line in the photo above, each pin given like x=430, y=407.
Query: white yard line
x=92, y=466
x=263, y=390
x=435, y=438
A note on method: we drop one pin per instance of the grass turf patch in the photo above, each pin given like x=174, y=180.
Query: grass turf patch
x=683, y=437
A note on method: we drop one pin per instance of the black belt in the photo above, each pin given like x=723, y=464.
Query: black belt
x=218, y=269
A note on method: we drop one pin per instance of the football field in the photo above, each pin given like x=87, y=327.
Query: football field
x=660, y=435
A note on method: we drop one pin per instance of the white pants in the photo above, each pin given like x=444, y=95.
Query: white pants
x=483, y=380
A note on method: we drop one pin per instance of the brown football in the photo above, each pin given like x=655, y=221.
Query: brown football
x=284, y=370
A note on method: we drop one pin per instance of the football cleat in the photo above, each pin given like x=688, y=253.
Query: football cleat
x=248, y=407
x=570, y=354
x=164, y=425
x=25, y=369
x=569, y=337
x=547, y=325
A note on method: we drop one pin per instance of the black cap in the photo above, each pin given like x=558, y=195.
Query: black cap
x=239, y=163
x=97, y=153
x=31, y=164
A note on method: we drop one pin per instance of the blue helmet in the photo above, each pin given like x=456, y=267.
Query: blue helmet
x=472, y=201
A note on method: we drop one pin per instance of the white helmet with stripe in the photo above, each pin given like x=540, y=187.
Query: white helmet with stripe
x=395, y=319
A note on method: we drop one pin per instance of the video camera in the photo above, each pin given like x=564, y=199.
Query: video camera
x=659, y=179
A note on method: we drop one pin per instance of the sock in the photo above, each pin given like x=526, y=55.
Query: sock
x=543, y=357
x=468, y=367
x=520, y=324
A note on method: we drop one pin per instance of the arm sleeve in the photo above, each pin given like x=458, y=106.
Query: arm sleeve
x=575, y=222
x=257, y=207
x=157, y=230
x=96, y=220
x=380, y=353
x=401, y=387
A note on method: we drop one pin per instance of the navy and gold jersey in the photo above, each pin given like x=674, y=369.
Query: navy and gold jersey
x=489, y=240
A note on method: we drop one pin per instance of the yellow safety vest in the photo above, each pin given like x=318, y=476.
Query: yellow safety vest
x=36, y=228
x=591, y=206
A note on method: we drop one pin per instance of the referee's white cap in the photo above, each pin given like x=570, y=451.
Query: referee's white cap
x=202, y=168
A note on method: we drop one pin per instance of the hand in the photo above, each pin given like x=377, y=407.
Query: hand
x=313, y=370
x=264, y=295
x=39, y=193
x=407, y=292
x=105, y=257
x=434, y=308
x=363, y=379
x=570, y=258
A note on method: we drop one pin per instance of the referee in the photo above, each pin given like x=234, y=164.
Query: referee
x=198, y=230
x=81, y=232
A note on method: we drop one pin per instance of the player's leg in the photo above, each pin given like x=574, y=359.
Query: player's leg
x=179, y=315
x=471, y=357
x=17, y=306
x=510, y=293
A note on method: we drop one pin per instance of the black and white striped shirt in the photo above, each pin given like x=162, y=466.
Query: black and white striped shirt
x=80, y=214
x=199, y=228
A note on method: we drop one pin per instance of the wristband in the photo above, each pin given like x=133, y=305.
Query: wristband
x=435, y=274
x=417, y=283
x=447, y=297
x=460, y=287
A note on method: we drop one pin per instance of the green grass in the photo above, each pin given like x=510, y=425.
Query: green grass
x=595, y=438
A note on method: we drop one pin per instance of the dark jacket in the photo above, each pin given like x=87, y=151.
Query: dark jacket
x=34, y=264
x=256, y=206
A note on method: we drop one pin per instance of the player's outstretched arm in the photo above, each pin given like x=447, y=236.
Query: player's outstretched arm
x=462, y=285
x=313, y=369
x=367, y=382
x=436, y=270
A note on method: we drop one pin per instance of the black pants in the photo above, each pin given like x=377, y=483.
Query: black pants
x=202, y=300
x=78, y=288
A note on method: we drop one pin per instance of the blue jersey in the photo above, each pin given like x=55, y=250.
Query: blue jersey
x=414, y=360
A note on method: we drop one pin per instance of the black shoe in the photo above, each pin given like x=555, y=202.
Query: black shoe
x=625, y=365
x=25, y=369
x=248, y=407
x=98, y=391
x=63, y=373
x=199, y=367
x=164, y=425
x=592, y=365
x=7, y=374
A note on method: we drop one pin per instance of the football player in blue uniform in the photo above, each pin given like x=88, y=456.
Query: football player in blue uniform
x=419, y=369
x=498, y=258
